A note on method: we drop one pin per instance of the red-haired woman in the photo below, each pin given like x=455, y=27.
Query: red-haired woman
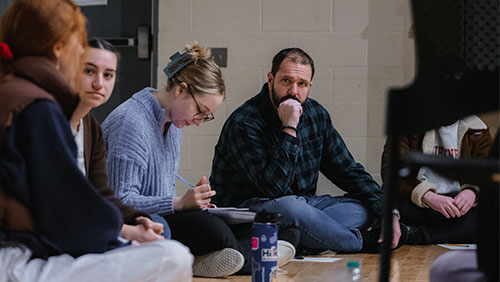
x=54, y=225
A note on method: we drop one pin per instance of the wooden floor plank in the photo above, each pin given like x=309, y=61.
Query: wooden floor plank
x=409, y=264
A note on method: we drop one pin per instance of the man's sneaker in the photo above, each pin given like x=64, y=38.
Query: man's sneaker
x=218, y=264
x=286, y=252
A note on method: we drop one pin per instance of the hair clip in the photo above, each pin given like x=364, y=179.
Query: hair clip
x=175, y=58
x=5, y=52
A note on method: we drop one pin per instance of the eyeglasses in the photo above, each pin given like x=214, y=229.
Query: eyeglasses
x=200, y=116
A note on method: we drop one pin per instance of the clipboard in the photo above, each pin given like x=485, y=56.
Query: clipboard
x=233, y=215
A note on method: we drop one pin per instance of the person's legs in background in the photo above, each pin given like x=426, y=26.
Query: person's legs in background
x=427, y=226
x=318, y=230
x=348, y=212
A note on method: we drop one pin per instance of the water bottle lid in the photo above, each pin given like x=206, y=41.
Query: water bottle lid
x=266, y=217
x=353, y=264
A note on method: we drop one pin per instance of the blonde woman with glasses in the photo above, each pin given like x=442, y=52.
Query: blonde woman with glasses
x=143, y=137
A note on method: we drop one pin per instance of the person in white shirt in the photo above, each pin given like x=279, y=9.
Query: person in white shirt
x=437, y=209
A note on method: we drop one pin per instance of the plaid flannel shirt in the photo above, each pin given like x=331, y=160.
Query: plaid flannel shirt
x=255, y=158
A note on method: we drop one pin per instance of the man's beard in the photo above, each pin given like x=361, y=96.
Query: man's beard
x=277, y=101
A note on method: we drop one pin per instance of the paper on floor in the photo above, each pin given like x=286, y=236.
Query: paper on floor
x=459, y=246
x=315, y=259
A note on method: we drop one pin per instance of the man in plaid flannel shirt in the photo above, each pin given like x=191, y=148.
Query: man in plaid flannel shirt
x=271, y=151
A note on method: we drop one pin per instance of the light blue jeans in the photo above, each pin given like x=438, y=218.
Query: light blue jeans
x=324, y=222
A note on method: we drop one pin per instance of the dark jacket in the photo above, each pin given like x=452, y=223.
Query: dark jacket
x=255, y=159
x=41, y=184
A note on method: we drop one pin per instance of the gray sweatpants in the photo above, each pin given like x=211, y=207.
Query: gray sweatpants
x=164, y=260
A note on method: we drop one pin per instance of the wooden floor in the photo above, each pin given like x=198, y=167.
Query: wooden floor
x=409, y=263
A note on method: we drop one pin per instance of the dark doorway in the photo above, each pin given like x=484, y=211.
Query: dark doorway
x=119, y=22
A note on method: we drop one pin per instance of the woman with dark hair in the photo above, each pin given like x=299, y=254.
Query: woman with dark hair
x=97, y=86
x=54, y=225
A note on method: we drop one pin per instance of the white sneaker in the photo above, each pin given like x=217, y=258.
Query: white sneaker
x=286, y=252
x=218, y=263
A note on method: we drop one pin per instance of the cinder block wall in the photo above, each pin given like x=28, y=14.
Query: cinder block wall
x=360, y=48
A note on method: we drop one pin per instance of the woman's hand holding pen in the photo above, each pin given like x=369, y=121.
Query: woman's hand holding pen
x=197, y=198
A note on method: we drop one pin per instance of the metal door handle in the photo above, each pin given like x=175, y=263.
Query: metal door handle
x=142, y=42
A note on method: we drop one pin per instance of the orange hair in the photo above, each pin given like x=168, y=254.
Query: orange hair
x=34, y=27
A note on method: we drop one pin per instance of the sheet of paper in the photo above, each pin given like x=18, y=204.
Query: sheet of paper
x=459, y=246
x=315, y=259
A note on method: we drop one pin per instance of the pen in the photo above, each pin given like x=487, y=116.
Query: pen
x=192, y=186
x=184, y=180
